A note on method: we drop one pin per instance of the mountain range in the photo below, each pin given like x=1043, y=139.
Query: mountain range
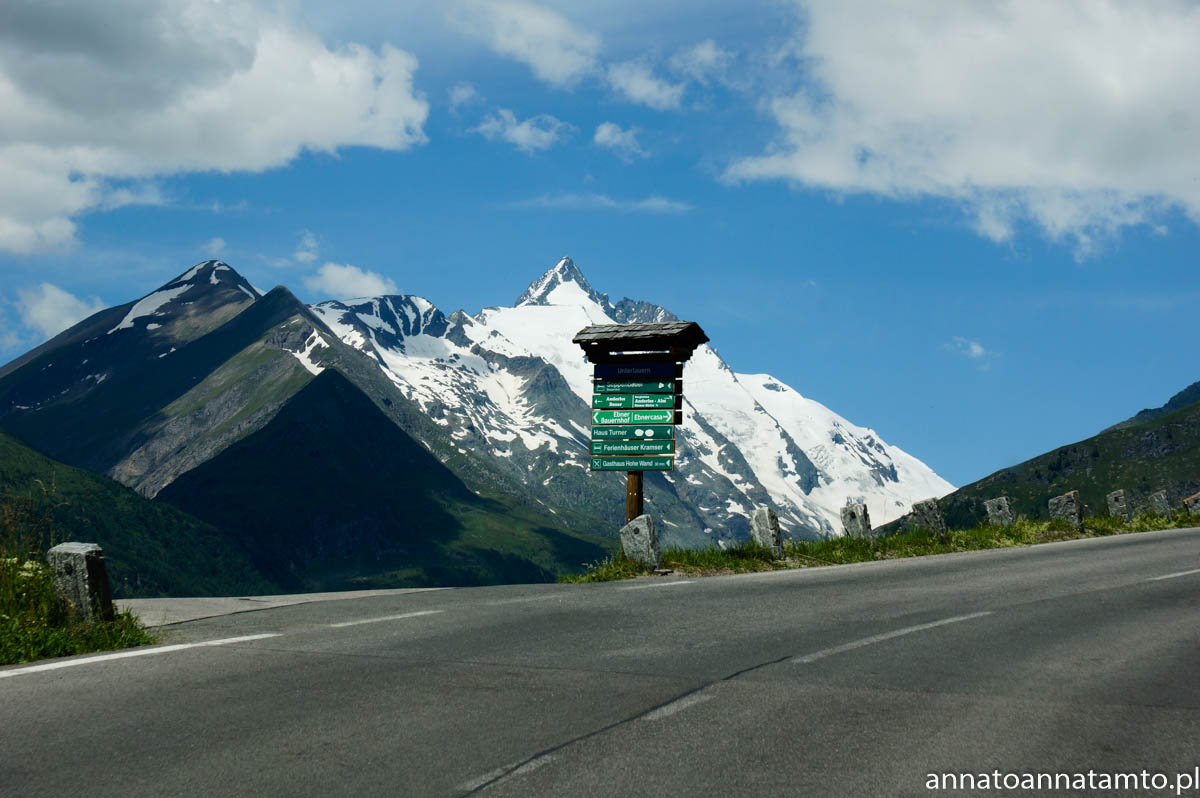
x=378, y=441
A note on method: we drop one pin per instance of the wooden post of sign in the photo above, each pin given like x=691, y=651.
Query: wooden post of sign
x=634, y=505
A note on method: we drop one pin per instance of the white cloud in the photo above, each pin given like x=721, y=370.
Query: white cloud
x=307, y=250
x=702, y=62
x=558, y=52
x=347, y=282
x=100, y=98
x=967, y=348
x=539, y=132
x=623, y=142
x=1079, y=116
x=49, y=309
x=214, y=246
x=463, y=94
x=652, y=204
x=636, y=82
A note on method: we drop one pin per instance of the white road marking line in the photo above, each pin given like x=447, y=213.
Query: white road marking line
x=504, y=773
x=866, y=641
x=384, y=618
x=670, y=709
x=1172, y=576
x=676, y=583
x=134, y=652
x=522, y=600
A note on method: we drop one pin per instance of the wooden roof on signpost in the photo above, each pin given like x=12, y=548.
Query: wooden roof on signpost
x=607, y=342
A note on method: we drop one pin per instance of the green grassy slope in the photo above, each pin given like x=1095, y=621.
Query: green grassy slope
x=151, y=549
x=1163, y=454
x=331, y=494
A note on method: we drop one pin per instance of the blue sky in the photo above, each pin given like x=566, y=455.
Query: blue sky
x=972, y=227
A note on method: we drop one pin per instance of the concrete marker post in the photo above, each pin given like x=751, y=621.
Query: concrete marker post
x=1067, y=507
x=999, y=511
x=764, y=530
x=856, y=521
x=80, y=577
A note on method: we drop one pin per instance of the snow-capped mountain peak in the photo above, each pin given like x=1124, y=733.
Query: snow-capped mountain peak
x=508, y=384
x=564, y=284
x=208, y=283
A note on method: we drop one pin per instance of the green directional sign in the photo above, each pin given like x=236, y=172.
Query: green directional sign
x=633, y=463
x=639, y=401
x=625, y=386
x=658, y=432
x=633, y=447
x=607, y=417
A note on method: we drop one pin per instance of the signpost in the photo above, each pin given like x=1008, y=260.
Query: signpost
x=637, y=397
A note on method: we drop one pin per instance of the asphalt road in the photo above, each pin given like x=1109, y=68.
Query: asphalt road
x=855, y=680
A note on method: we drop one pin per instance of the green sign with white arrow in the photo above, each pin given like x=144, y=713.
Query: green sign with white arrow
x=633, y=447
x=633, y=463
x=625, y=386
x=608, y=417
x=654, y=432
x=638, y=401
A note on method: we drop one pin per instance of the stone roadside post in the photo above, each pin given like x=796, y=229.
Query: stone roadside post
x=927, y=514
x=81, y=578
x=1118, y=505
x=856, y=521
x=1159, y=504
x=1067, y=507
x=999, y=511
x=764, y=529
x=639, y=541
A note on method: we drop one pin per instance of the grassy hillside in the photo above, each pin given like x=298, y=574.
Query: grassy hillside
x=151, y=549
x=331, y=494
x=1162, y=454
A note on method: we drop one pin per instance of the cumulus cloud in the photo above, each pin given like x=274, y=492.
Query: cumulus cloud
x=558, y=52
x=214, y=246
x=701, y=62
x=652, y=204
x=623, y=142
x=636, y=82
x=347, y=282
x=539, y=132
x=307, y=250
x=100, y=98
x=1078, y=116
x=49, y=309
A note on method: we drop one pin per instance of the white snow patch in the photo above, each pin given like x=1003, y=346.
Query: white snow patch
x=253, y=298
x=148, y=306
x=305, y=356
x=164, y=354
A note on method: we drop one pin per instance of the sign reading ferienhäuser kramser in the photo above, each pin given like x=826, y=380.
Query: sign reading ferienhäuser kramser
x=633, y=447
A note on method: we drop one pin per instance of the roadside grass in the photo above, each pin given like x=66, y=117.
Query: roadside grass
x=34, y=622
x=749, y=557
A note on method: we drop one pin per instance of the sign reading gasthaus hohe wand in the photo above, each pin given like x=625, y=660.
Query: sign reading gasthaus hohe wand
x=637, y=397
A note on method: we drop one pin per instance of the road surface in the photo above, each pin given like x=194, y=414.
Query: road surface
x=854, y=680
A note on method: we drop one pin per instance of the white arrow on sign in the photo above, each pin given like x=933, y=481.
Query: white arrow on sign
x=596, y=418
